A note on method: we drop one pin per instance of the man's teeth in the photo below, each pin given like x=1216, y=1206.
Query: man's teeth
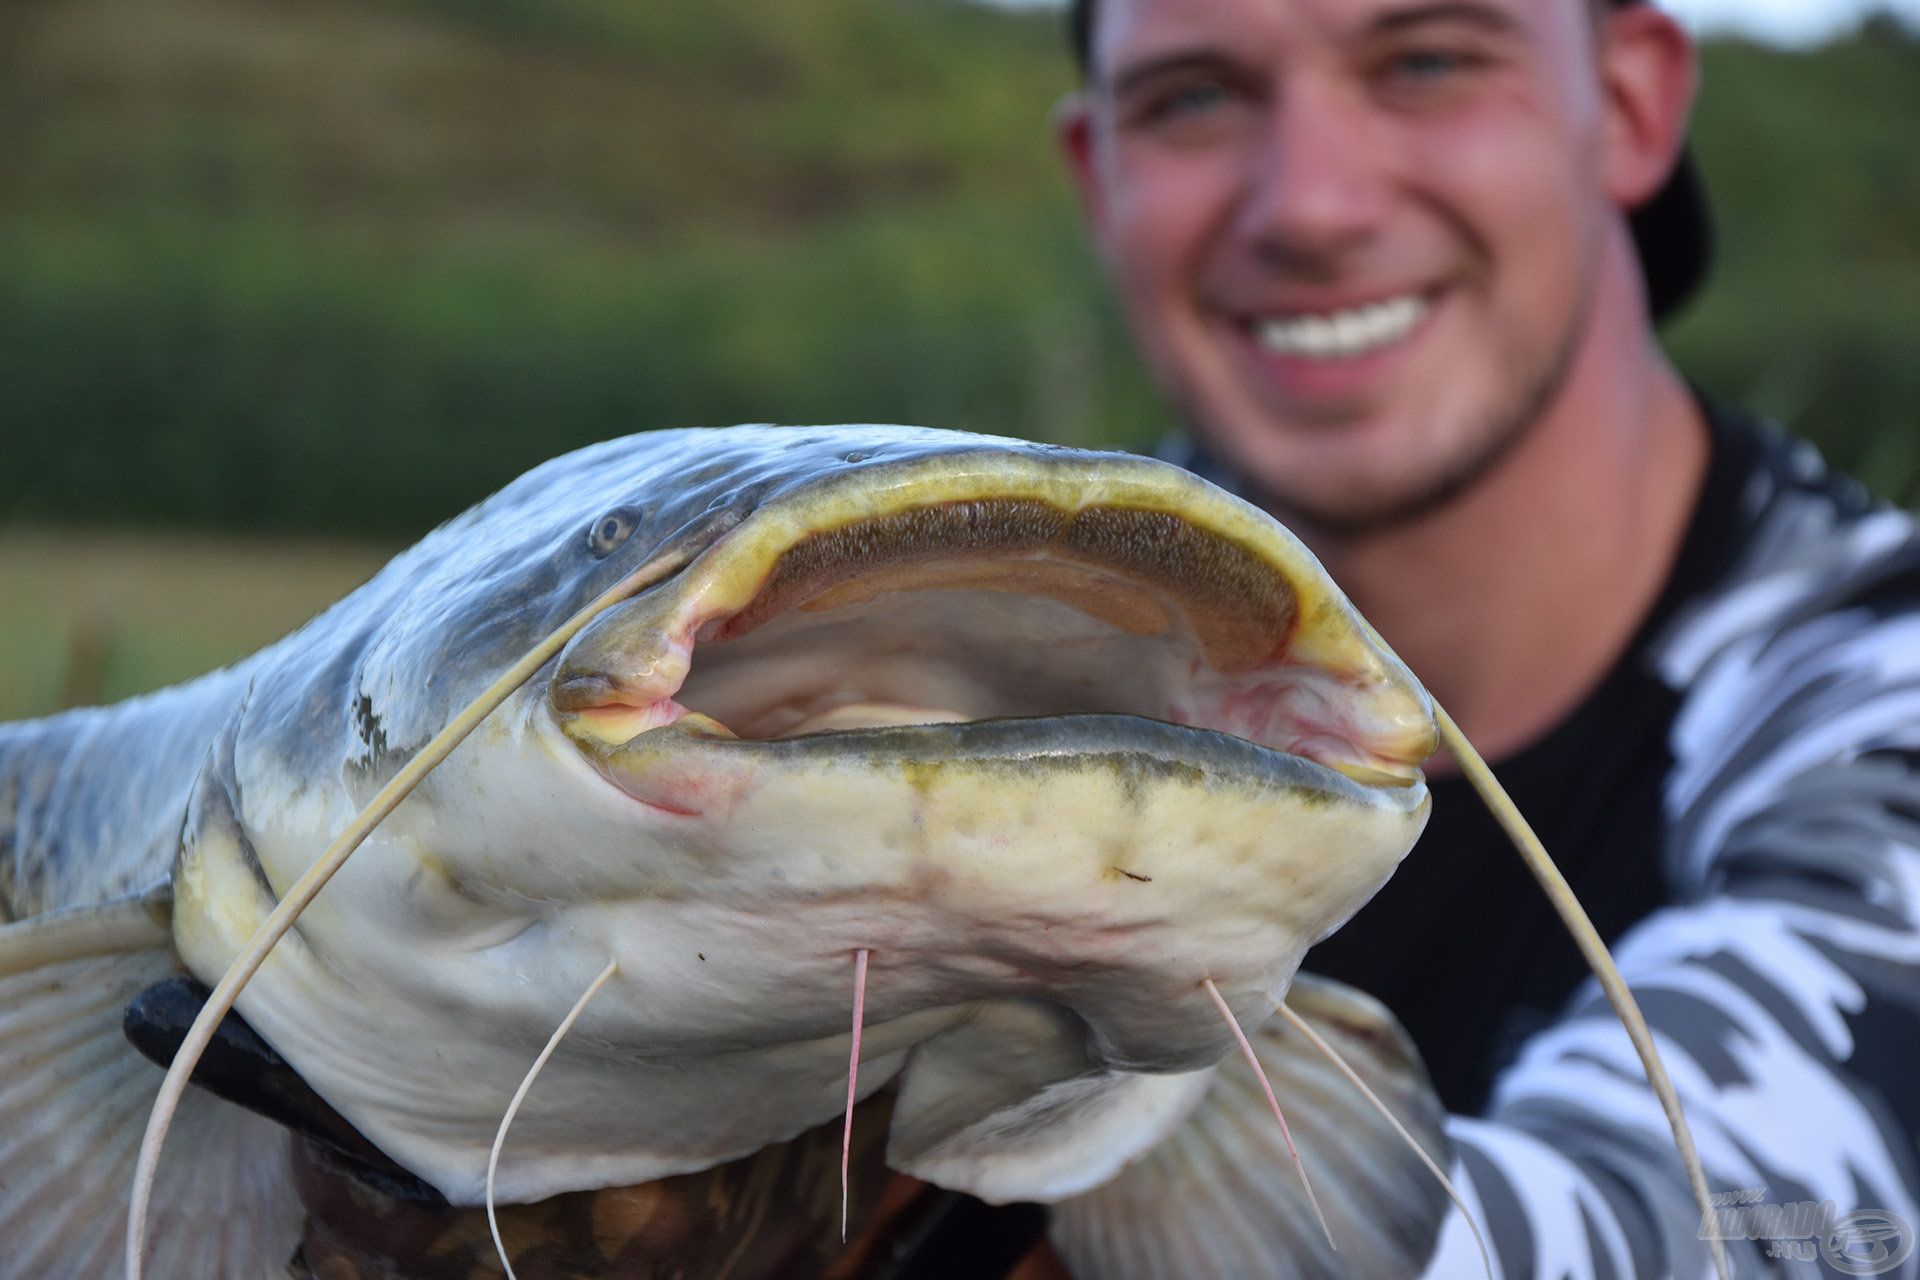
x=1339, y=334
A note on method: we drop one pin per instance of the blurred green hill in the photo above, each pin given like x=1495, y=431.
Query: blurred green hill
x=347, y=265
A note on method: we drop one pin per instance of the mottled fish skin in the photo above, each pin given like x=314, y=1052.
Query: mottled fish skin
x=91, y=800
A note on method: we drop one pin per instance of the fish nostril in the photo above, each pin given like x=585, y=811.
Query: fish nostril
x=857, y=455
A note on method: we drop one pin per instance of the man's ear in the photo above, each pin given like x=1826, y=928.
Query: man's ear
x=1648, y=72
x=1073, y=131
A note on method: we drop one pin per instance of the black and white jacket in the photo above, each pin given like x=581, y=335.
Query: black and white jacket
x=1739, y=803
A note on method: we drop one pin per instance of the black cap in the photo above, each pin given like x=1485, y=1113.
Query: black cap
x=1673, y=233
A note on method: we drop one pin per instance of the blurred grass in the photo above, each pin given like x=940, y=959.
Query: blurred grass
x=89, y=617
x=341, y=267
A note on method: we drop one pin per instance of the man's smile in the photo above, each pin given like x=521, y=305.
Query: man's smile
x=1336, y=334
x=1331, y=351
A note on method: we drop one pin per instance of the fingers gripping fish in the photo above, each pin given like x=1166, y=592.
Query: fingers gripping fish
x=1057, y=738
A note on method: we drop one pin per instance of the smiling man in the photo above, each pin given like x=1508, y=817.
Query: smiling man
x=1377, y=255
x=1396, y=265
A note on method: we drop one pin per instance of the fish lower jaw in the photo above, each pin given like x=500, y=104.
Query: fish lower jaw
x=608, y=729
x=617, y=724
x=1287, y=720
x=872, y=715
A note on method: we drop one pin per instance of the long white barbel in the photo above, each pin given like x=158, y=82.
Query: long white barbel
x=1266, y=1086
x=679, y=551
x=853, y=1075
x=520, y=1096
x=1594, y=949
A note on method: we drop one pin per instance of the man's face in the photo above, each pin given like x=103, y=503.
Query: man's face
x=1357, y=239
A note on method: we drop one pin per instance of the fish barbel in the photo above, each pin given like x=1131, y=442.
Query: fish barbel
x=1056, y=737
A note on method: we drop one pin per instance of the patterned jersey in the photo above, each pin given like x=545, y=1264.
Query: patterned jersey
x=1738, y=804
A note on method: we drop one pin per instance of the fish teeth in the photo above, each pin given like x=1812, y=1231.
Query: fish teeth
x=1342, y=334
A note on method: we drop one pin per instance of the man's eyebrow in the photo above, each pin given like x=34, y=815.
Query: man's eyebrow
x=1489, y=17
x=1486, y=16
x=1132, y=77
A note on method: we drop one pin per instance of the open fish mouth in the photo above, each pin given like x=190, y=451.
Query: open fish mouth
x=1054, y=738
x=970, y=589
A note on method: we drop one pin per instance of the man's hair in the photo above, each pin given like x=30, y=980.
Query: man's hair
x=1080, y=34
x=1673, y=233
x=1080, y=29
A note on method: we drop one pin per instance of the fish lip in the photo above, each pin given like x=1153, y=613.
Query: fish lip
x=1082, y=736
x=1025, y=742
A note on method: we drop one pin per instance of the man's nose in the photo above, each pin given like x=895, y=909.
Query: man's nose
x=1320, y=180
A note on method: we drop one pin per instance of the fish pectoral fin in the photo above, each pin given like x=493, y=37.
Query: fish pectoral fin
x=1005, y=1107
x=1219, y=1199
x=74, y=1096
x=137, y=922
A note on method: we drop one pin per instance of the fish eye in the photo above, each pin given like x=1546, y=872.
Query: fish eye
x=611, y=530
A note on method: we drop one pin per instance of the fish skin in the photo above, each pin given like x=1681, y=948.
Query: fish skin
x=91, y=800
x=259, y=764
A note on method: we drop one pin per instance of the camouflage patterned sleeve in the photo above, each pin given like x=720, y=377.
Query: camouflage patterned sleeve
x=1783, y=985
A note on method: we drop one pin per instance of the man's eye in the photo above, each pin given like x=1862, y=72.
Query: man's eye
x=1426, y=66
x=1193, y=97
x=1183, y=102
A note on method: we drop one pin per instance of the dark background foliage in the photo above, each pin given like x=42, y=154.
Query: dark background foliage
x=347, y=265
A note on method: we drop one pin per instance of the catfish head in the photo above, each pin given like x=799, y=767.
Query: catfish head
x=1055, y=736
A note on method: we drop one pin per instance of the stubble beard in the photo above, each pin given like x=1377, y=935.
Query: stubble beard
x=1502, y=429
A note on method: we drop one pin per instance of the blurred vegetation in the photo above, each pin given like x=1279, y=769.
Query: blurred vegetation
x=1813, y=316
x=347, y=265
x=88, y=617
